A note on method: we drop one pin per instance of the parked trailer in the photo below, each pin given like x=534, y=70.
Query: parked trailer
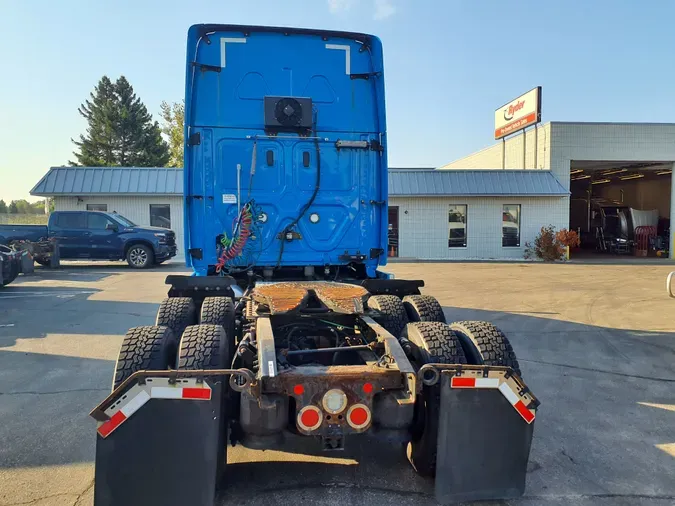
x=288, y=328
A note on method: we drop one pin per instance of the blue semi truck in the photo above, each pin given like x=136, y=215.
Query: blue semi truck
x=288, y=329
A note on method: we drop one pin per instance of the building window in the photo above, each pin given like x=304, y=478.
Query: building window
x=97, y=207
x=511, y=225
x=160, y=215
x=457, y=226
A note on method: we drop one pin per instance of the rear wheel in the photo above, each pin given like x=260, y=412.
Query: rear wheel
x=219, y=311
x=431, y=342
x=423, y=308
x=177, y=313
x=140, y=256
x=483, y=343
x=207, y=347
x=148, y=348
x=393, y=316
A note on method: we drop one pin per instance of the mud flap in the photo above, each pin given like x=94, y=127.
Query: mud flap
x=483, y=446
x=167, y=453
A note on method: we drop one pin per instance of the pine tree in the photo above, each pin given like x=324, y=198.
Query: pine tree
x=12, y=208
x=120, y=129
x=173, y=116
x=3, y=207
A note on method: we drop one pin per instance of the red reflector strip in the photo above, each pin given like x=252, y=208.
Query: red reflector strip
x=527, y=415
x=197, y=393
x=114, y=422
x=458, y=382
x=504, y=388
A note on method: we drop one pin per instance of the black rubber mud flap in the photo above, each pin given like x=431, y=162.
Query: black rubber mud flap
x=483, y=446
x=165, y=454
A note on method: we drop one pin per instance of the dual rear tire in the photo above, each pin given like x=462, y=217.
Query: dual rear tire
x=176, y=341
x=468, y=342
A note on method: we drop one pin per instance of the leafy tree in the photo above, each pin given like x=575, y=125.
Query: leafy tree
x=3, y=207
x=120, y=129
x=173, y=119
x=12, y=208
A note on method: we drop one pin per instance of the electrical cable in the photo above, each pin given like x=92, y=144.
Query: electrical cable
x=309, y=203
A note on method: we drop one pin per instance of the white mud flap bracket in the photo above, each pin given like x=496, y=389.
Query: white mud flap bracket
x=485, y=431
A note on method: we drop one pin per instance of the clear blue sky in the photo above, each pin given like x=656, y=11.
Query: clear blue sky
x=448, y=65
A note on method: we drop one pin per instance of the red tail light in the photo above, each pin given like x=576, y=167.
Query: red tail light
x=359, y=416
x=309, y=418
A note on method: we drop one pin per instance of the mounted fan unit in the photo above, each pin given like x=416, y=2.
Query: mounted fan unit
x=288, y=114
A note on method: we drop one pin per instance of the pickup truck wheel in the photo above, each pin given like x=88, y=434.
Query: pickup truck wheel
x=431, y=342
x=144, y=348
x=140, y=256
x=393, y=316
x=423, y=308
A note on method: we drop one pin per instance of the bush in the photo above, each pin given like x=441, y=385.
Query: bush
x=546, y=246
x=568, y=238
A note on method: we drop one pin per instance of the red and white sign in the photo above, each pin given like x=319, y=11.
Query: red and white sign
x=518, y=114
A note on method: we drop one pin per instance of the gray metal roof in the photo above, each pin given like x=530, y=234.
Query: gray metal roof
x=110, y=180
x=474, y=183
x=402, y=182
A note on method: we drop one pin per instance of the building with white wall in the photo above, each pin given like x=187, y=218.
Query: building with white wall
x=627, y=163
x=487, y=205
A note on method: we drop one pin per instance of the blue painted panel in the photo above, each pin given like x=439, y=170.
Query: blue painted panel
x=229, y=72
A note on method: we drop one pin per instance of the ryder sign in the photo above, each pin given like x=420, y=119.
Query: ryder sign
x=518, y=114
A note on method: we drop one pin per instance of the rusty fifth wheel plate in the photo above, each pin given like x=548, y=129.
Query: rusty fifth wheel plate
x=283, y=297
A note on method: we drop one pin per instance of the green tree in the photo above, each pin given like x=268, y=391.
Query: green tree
x=173, y=119
x=3, y=207
x=120, y=129
x=12, y=208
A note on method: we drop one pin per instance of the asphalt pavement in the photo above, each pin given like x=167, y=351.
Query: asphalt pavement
x=596, y=345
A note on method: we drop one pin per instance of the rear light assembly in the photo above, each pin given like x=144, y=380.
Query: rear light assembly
x=310, y=418
x=359, y=416
x=334, y=401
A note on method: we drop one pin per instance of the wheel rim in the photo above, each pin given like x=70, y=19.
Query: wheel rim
x=138, y=256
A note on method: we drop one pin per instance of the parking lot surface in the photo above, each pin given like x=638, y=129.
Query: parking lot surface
x=596, y=344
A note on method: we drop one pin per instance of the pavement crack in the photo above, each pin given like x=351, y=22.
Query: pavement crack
x=87, y=489
x=38, y=499
x=55, y=392
x=602, y=371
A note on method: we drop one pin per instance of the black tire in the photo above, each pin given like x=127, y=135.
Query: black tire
x=43, y=262
x=431, y=342
x=148, y=348
x=220, y=311
x=484, y=343
x=423, y=308
x=140, y=256
x=177, y=313
x=393, y=316
x=13, y=274
x=204, y=347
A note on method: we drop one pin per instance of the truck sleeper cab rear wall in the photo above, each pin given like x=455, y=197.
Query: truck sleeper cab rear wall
x=233, y=155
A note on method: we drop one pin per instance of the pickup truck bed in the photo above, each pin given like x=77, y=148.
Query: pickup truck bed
x=33, y=233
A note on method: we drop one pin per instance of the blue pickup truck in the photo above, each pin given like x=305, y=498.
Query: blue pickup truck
x=95, y=235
